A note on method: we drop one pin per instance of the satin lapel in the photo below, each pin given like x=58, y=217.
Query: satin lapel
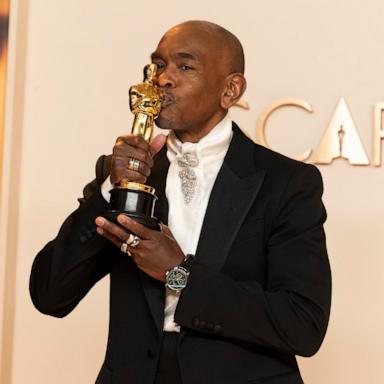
x=158, y=179
x=154, y=290
x=233, y=194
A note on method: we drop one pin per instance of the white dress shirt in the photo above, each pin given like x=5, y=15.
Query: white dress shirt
x=186, y=213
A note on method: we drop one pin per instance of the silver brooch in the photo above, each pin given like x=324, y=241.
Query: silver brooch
x=187, y=175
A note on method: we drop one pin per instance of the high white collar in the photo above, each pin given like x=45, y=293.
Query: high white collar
x=212, y=144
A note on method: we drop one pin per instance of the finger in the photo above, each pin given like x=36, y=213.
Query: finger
x=116, y=241
x=127, y=176
x=106, y=227
x=121, y=165
x=134, y=176
x=120, y=171
x=157, y=143
x=126, y=152
x=122, y=180
x=136, y=141
x=138, y=229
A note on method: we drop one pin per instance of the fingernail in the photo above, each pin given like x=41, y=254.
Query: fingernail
x=99, y=231
x=99, y=221
x=122, y=219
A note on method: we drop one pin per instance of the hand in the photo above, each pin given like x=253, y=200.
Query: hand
x=134, y=146
x=157, y=252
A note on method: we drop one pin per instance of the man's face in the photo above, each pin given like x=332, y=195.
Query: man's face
x=191, y=73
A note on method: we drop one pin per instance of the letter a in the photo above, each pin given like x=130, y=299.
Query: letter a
x=341, y=140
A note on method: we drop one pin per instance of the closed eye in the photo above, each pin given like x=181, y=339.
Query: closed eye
x=160, y=66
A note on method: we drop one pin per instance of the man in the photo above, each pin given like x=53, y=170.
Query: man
x=244, y=230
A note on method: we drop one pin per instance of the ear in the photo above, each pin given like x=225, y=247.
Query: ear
x=234, y=87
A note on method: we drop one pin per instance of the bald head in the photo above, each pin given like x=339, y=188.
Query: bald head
x=200, y=68
x=226, y=43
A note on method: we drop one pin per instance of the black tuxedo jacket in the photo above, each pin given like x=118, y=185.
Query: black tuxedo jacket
x=258, y=293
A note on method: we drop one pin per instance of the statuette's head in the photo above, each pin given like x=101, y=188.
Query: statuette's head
x=150, y=73
x=146, y=97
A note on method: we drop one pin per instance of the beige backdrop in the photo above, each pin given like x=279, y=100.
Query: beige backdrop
x=70, y=66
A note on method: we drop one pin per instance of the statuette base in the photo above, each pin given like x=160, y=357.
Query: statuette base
x=136, y=203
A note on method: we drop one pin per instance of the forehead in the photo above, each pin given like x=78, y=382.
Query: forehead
x=200, y=44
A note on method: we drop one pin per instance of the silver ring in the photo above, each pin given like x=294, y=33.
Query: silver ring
x=133, y=164
x=135, y=242
x=130, y=239
x=124, y=247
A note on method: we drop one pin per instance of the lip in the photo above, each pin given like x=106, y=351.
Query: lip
x=167, y=100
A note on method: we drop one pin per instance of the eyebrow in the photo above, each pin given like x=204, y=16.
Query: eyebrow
x=182, y=55
x=186, y=55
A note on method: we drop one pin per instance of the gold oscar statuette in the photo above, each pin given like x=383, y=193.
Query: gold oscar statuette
x=134, y=199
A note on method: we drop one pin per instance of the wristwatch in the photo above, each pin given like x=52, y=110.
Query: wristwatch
x=177, y=277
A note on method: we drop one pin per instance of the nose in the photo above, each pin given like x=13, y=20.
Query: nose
x=165, y=79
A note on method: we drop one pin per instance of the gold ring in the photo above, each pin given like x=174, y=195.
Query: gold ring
x=133, y=164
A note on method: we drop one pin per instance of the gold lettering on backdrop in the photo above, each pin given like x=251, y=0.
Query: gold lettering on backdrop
x=378, y=133
x=242, y=104
x=287, y=102
x=341, y=140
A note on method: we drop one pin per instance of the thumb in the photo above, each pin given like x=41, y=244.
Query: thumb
x=157, y=143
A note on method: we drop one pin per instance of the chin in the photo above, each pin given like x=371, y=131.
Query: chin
x=165, y=123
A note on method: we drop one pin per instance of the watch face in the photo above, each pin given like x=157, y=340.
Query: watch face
x=177, y=279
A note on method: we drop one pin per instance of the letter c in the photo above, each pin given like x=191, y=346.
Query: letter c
x=286, y=102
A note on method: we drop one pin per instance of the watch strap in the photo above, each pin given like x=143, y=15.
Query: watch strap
x=187, y=262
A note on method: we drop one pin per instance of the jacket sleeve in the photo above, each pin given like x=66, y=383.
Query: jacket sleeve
x=290, y=313
x=68, y=266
